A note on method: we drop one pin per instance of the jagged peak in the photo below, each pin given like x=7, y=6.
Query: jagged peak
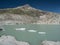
x=25, y=6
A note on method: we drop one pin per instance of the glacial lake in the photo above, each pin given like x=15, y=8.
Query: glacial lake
x=52, y=32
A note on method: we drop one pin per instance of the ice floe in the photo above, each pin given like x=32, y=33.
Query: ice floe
x=50, y=42
x=32, y=31
x=41, y=32
x=10, y=40
x=22, y=29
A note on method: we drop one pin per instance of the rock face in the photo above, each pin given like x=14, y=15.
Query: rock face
x=27, y=15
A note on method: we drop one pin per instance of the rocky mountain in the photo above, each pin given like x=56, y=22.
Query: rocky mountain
x=28, y=15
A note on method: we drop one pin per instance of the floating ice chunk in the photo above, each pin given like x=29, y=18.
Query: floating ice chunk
x=42, y=32
x=22, y=43
x=58, y=43
x=20, y=29
x=50, y=42
x=32, y=31
x=10, y=40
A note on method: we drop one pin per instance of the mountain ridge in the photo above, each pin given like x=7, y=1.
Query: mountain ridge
x=26, y=15
x=26, y=5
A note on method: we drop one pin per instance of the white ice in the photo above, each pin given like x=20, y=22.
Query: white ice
x=41, y=32
x=32, y=31
x=22, y=29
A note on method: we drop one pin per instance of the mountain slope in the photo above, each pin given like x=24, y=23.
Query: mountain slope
x=27, y=14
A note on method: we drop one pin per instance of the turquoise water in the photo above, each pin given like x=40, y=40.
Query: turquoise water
x=52, y=33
